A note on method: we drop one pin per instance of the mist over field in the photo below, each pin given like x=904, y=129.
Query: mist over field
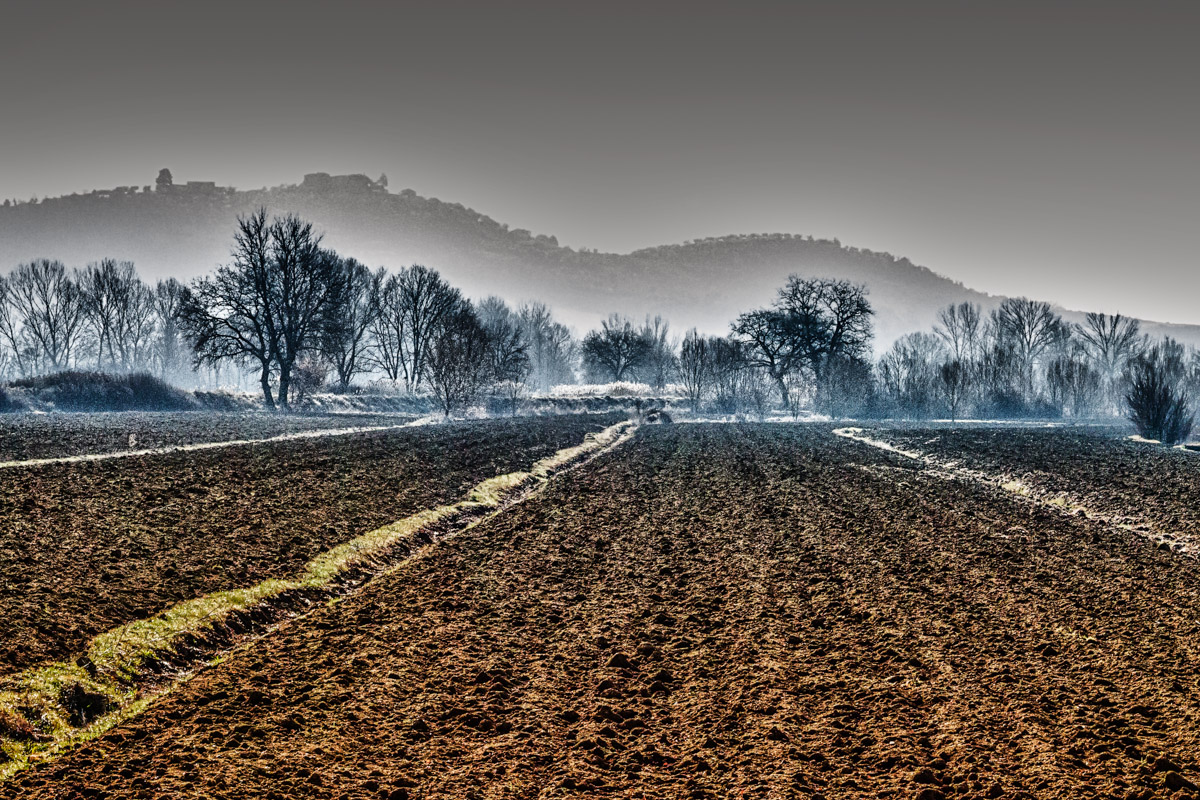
x=187, y=230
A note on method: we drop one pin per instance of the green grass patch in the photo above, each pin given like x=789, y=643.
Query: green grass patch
x=67, y=704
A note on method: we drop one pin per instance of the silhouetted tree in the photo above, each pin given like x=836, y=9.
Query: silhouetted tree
x=1112, y=341
x=269, y=305
x=456, y=360
x=352, y=314
x=834, y=314
x=424, y=300
x=1029, y=328
x=305, y=280
x=910, y=373
x=13, y=343
x=1073, y=384
x=614, y=351
x=553, y=351
x=508, y=353
x=845, y=388
x=168, y=304
x=388, y=332
x=954, y=385
x=775, y=343
x=659, y=363
x=120, y=311
x=49, y=306
x=734, y=375
x=814, y=322
x=228, y=315
x=960, y=327
x=1157, y=401
x=695, y=367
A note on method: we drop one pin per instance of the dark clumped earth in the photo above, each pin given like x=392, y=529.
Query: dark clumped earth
x=710, y=611
x=25, y=437
x=1141, y=484
x=85, y=547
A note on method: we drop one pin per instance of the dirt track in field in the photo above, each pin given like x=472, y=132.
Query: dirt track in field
x=709, y=611
x=25, y=437
x=1155, y=489
x=86, y=547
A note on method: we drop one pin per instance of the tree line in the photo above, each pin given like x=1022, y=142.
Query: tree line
x=299, y=317
x=102, y=316
x=295, y=311
x=1024, y=360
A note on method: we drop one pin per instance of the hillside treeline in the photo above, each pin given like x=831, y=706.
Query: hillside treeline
x=299, y=317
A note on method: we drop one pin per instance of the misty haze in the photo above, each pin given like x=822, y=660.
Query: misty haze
x=543, y=400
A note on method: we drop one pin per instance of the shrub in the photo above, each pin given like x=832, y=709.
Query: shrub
x=98, y=391
x=1157, y=401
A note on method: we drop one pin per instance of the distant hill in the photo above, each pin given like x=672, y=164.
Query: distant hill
x=186, y=229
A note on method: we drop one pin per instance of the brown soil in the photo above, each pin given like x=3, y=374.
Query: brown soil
x=709, y=611
x=86, y=547
x=1101, y=469
x=31, y=436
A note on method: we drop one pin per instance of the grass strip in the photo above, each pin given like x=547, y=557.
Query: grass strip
x=47, y=710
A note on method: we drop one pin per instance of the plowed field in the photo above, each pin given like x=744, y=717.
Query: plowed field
x=31, y=436
x=86, y=547
x=709, y=612
x=1142, y=484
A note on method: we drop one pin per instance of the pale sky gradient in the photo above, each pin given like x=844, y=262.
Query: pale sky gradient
x=1045, y=149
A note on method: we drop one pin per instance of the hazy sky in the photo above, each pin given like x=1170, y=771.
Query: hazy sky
x=1048, y=149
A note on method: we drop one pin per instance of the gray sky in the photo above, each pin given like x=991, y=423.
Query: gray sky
x=1047, y=149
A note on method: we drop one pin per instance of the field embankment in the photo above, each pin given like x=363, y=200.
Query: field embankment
x=711, y=611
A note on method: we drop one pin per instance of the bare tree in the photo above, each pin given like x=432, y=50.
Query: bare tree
x=268, y=306
x=102, y=289
x=959, y=326
x=1157, y=401
x=695, y=367
x=389, y=332
x=1112, y=341
x=228, y=316
x=774, y=342
x=12, y=332
x=613, y=352
x=815, y=321
x=508, y=352
x=910, y=372
x=1073, y=384
x=120, y=311
x=169, y=350
x=352, y=314
x=49, y=305
x=456, y=358
x=304, y=279
x=731, y=374
x=425, y=301
x=1030, y=327
x=660, y=356
x=137, y=323
x=553, y=351
x=954, y=385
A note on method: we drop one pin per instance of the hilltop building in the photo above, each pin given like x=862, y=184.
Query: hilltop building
x=349, y=184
